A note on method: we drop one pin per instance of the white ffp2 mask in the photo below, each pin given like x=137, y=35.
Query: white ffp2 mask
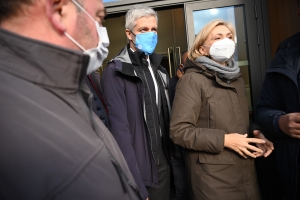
x=222, y=50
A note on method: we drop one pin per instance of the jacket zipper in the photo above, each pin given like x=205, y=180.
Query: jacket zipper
x=153, y=118
x=90, y=112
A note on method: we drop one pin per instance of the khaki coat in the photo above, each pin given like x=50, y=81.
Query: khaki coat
x=205, y=108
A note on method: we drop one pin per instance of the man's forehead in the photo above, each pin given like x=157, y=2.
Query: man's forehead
x=146, y=21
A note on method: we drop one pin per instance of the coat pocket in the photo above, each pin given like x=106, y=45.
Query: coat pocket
x=226, y=157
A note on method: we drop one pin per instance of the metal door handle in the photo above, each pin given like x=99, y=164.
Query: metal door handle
x=169, y=57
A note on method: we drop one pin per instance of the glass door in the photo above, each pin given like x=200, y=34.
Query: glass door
x=171, y=37
x=241, y=14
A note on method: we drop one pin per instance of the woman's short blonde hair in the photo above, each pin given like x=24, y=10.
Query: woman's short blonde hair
x=203, y=35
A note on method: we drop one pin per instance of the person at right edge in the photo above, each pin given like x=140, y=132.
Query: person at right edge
x=135, y=86
x=278, y=113
x=210, y=120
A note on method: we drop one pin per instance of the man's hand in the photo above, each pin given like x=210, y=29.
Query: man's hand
x=240, y=144
x=267, y=147
x=290, y=124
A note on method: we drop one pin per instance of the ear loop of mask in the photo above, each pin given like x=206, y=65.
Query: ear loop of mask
x=82, y=9
x=134, y=36
x=208, y=56
x=81, y=47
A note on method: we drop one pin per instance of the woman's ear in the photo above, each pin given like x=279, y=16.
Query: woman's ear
x=54, y=10
x=203, y=51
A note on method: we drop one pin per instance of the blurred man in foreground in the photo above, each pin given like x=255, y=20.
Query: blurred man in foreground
x=51, y=145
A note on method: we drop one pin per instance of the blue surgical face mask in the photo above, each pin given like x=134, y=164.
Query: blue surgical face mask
x=146, y=42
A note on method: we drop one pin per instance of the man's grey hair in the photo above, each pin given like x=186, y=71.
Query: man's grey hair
x=137, y=12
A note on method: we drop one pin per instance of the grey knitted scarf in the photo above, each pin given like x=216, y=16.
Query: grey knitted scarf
x=228, y=72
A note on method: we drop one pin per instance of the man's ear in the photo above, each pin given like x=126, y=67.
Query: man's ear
x=54, y=12
x=129, y=34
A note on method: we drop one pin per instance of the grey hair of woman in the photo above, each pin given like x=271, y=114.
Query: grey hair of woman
x=137, y=12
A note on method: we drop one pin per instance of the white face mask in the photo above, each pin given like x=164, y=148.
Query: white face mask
x=222, y=50
x=99, y=53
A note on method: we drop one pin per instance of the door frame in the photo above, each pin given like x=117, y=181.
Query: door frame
x=116, y=7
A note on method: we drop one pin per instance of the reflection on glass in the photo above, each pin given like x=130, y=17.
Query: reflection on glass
x=234, y=15
x=202, y=17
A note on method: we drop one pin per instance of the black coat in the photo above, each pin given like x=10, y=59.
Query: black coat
x=279, y=96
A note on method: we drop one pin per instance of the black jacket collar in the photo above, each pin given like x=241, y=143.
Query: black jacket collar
x=138, y=57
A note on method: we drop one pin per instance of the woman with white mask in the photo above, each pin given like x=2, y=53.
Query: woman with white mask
x=210, y=119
